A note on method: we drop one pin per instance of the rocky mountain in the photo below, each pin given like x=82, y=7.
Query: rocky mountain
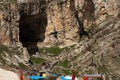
x=83, y=35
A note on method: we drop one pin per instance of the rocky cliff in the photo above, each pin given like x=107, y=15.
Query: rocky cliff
x=90, y=26
x=64, y=20
x=99, y=54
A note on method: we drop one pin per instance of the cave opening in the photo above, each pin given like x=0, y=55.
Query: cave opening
x=32, y=27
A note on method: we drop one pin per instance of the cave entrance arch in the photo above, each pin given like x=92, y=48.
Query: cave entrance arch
x=32, y=27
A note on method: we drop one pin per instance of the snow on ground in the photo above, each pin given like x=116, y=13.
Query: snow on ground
x=8, y=75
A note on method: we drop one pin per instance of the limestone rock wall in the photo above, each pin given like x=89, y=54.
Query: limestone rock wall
x=9, y=24
x=97, y=10
x=62, y=19
x=62, y=28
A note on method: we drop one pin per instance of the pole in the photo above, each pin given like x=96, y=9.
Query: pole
x=85, y=78
x=21, y=75
x=73, y=75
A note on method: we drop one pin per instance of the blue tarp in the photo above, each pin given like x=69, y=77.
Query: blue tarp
x=36, y=77
x=64, y=78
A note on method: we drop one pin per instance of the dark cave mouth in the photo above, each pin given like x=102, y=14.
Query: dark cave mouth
x=28, y=38
x=31, y=31
x=32, y=27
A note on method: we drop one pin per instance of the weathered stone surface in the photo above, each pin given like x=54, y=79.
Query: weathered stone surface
x=60, y=19
x=99, y=53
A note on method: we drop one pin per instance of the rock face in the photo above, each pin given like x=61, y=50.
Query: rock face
x=8, y=24
x=63, y=26
x=89, y=11
x=61, y=23
x=97, y=54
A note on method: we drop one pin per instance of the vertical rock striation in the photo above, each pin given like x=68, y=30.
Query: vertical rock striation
x=60, y=24
x=9, y=24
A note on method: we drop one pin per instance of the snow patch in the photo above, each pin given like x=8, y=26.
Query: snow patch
x=8, y=75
